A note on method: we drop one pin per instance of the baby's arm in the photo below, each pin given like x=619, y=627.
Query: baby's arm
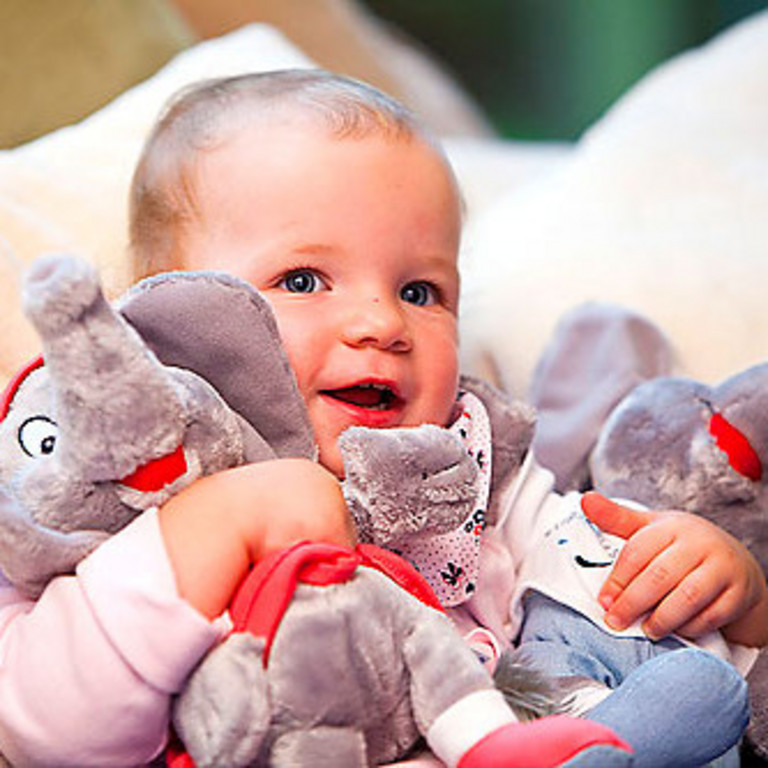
x=691, y=575
x=87, y=672
x=225, y=522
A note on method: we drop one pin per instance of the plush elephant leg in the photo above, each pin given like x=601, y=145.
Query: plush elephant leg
x=321, y=747
x=223, y=713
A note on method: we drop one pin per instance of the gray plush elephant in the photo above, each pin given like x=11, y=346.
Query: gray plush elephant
x=104, y=430
x=187, y=377
x=675, y=442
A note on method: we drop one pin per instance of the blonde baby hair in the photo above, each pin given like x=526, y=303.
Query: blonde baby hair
x=198, y=118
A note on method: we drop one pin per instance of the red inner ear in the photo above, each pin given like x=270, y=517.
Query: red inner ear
x=13, y=385
x=741, y=455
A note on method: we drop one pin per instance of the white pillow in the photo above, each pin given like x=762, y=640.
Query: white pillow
x=663, y=207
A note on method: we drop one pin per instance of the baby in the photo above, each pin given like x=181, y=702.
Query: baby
x=334, y=202
x=338, y=207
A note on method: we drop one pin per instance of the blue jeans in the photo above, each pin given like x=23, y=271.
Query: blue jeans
x=676, y=706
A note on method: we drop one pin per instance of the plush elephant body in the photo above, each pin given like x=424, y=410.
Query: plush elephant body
x=302, y=706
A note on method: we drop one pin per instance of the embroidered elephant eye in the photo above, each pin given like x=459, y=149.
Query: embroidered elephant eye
x=37, y=436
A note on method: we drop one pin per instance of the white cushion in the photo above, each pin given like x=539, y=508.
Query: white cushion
x=662, y=206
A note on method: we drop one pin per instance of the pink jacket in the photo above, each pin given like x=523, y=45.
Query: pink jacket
x=119, y=625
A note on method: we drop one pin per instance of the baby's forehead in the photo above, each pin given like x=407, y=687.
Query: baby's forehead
x=333, y=117
x=255, y=146
x=252, y=128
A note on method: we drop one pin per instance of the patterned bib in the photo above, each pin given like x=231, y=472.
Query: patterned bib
x=450, y=561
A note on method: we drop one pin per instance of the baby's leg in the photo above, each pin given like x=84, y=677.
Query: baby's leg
x=702, y=696
x=675, y=705
x=565, y=645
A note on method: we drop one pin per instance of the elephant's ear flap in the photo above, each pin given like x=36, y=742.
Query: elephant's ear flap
x=222, y=329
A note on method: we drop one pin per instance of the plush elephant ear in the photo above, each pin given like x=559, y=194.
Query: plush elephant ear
x=220, y=328
x=512, y=427
x=598, y=353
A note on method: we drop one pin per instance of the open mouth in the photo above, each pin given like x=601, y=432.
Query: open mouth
x=371, y=396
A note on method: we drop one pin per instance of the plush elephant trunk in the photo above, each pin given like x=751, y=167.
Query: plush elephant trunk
x=115, y=405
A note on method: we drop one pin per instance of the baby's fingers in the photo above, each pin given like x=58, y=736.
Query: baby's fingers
x=649, y=568
x=633, y=560
x=711, y=617
x=694, y=607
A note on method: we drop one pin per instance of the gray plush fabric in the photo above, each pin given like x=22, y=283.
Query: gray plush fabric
x=357, y=669
x=215, y=326
x=598, y=353
x=405, y=482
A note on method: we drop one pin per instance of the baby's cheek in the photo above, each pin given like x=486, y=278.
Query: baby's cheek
x=447, y=386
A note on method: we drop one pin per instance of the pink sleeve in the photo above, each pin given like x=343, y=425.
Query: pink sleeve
x=87, y=672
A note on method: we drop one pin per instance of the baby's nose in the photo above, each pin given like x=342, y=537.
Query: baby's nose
x=379, y=322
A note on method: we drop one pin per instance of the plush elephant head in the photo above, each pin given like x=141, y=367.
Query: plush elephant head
x=99, y=429
x=679, y=443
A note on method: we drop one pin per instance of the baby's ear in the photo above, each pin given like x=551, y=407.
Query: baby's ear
x=222, y=329
x=512, y=428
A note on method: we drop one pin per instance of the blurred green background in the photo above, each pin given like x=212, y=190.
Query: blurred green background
x=547, y=69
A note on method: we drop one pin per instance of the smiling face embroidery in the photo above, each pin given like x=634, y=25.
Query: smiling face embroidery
x=583, y=543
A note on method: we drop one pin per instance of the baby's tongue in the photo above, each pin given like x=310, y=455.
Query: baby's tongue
x=365, y=397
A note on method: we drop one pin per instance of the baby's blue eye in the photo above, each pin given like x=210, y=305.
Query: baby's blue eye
x=419, y=293
x=301, y=281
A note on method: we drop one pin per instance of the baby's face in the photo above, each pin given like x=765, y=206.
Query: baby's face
x=354, y=242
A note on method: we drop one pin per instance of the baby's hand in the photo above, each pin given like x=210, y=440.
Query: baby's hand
x=691, y=576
